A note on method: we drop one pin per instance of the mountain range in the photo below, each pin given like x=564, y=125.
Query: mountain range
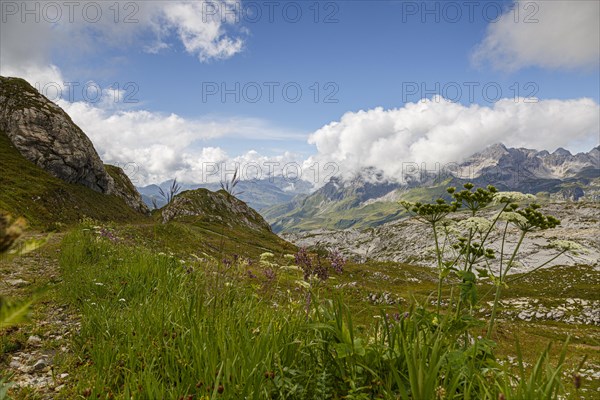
x=51, y=172
x=258, y=194
x=370, y=199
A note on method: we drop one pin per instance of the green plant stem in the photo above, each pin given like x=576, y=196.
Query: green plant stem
x=502, y=247
x=440, y=271
x=501, y=282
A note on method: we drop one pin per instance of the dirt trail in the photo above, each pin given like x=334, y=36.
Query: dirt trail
x=29, y=350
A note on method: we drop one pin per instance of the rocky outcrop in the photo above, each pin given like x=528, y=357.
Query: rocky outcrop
x=213, y=207
x=125, y=189
x=409, y=240
x=44, y=134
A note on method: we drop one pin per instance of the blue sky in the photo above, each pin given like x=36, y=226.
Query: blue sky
x=371, y=54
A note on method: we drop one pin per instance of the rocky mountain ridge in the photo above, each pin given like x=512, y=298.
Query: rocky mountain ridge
x=45, y=135
x=369, y=199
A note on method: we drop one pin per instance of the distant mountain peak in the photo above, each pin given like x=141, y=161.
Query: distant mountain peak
x=497, y=146
x=494, y=151
x=562, y=152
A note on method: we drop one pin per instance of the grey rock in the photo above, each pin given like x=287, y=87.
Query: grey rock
x=410, y=241
x=45, y=135
x=40, y=365
x=17, y=282
x=35, y=340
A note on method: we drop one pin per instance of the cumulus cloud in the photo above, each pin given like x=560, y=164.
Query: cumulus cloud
x=154, y=147
x=548, y=34
x=203, y=28
x=438, y=131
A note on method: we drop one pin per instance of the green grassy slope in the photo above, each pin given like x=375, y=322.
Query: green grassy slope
x=316, y=212
x=45, y=201
x=214, y=223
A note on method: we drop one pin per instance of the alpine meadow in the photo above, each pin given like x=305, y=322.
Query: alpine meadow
x=312, y=200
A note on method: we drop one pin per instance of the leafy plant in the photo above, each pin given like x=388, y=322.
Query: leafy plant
x=463, y=248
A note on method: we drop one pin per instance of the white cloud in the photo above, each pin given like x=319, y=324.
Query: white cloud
x=439, y=131
x=152, y=26
x=548, y=34
x=156, y=147
x=200, y=34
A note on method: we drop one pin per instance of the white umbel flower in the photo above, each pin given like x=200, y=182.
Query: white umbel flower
x=513, y=217
x=566, y=245
x=477, y=224
x=513, y=197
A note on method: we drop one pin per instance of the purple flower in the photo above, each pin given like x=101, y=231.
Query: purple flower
x=269, y=274
x=107, y=234
x=337, y=261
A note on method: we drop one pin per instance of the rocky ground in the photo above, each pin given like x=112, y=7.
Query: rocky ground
x=30, y=350
x=410, y=241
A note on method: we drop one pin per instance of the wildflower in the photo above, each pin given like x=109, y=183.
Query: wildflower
x=566, y=245
x=269, y=274
x=514, y=217
x=337, y=261
x=269, y=374
x=577, y=380
x=440, y=393
x=266, y=256
x=476, y=224
x=108, y=234
x=513, y=197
